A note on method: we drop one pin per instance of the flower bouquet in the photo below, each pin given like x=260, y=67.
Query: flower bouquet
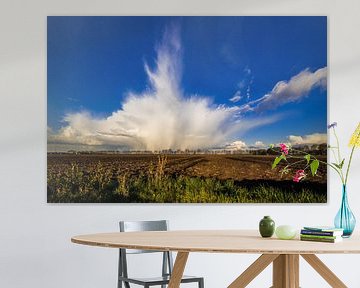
x=344, y=218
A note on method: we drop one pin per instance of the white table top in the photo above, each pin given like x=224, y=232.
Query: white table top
x=217, y=241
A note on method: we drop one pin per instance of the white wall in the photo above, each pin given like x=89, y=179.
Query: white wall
x=35, y=248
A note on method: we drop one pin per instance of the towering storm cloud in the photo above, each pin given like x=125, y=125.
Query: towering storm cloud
x=162, y=117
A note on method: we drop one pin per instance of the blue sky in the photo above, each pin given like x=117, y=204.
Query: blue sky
x=97, y=64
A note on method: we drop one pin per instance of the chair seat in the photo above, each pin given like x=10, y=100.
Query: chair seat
x=158, y=280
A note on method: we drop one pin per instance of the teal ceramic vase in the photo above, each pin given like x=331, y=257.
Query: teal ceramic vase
x=345, y=219
x=266, y=227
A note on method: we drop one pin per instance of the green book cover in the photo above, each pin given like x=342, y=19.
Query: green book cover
x=319, y=236
x=321, y=239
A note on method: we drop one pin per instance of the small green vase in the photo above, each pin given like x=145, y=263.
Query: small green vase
x=267, y=227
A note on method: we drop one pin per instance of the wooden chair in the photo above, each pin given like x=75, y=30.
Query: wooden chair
x=167, y=263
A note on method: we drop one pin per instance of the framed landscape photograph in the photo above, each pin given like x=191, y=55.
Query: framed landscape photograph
x=155, y=109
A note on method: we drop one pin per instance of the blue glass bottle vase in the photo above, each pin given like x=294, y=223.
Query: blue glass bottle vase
x=345, y=219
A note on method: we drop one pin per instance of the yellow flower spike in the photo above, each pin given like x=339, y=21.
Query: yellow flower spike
x=355, y=138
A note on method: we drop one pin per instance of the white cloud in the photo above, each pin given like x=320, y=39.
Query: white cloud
x=259, y=144
x=244, y=85
x=237, y=97
x=236, y=145
x=248, y=93
x=298, y=87
x=247, y=70
x=72, y=99
x=316, y=138
x=161, y=117
x=241, y=84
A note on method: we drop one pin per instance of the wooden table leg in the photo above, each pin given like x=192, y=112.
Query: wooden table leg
x=178, y=269
x=253, y=270
x=293, y=261
x=279, y=271
x=286, y=271
x=324, y=271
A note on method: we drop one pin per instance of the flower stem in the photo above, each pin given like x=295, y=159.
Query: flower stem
x=322, y=162
x=339, y=155
x=338, y=145
x=292, y=164
x=333, y=152
x=336, y=169
x=348, y=167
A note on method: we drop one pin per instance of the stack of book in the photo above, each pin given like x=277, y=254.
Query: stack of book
x=321, y=234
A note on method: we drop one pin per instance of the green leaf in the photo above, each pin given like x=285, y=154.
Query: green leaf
x=339, y=166
x=342, y=163
x=271, y=146
x=336, y=165
x=277, y=160
x=314, y=167
x=307, y=157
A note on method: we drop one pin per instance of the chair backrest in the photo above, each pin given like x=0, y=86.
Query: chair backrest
x=134, y=226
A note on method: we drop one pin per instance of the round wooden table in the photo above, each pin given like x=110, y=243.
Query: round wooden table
x=284, y=254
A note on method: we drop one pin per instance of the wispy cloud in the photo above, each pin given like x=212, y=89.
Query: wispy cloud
x=244, y=86
x=162, y=117
x=236, y=98
x=298, y=87
x=247, y=70
x=72, y=99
